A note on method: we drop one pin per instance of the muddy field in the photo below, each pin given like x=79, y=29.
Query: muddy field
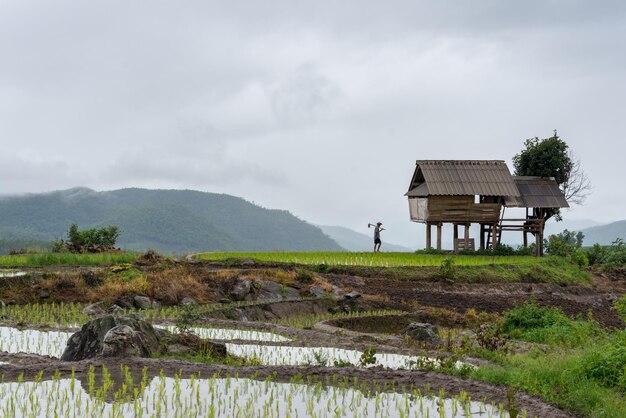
x=445, y=304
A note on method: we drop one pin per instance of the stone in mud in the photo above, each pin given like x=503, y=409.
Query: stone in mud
x=189, y=343
x=248, y=262
x=268, y=290
x=144, y=302
x=352, y=295
x=239, y=289
x=187, y=300
x=95, y=309
x=115, y=310
x=420, y=331
x=123, y=304
x=89, y=342
x=317, y=291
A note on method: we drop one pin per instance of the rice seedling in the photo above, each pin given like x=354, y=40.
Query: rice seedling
x=308, y=320
x=69, y=259
x=68, y=315
x=366, y=259
x=298, y=356
x=230, y=334
x=225, y=396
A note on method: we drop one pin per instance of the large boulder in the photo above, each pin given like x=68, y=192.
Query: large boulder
x=144, y=302
x=420, y=331
x=95, y=309
x=94, y=336
x=268, y=290
x=239, y=290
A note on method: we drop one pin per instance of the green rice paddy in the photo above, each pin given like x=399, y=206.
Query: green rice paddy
x=366, y=259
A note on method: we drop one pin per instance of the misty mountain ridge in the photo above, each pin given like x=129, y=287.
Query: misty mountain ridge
x=166, y=220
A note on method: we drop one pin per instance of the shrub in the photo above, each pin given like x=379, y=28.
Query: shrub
x=447, y=269
x=543, y=324
x=620, y=307
x=304, y=276
x=532, y=316
x=596, y=254
x=189, y=315
x=616, y=253
x=606, y=363
x=580, y=258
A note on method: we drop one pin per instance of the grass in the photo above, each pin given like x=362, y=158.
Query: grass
x=366, y=259
x=69, y=259
x=422, y=267
x=583, y=370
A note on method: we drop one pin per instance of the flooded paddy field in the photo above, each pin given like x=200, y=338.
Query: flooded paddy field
x=297, y=342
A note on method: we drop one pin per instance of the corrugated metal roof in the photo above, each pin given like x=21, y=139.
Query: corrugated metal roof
x=537, y=192
x=466, y=177
x=419, y=191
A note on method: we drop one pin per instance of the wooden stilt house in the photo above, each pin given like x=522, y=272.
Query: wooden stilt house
x=463, y=192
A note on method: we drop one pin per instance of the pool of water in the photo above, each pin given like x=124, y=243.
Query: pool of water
x=53, y=343
x=230, y=334
x=324, y=356
x=226, y=397
x=46, y=343
x=11, y=273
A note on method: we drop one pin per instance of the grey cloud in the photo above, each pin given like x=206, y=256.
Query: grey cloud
x=317, y=107
x=303, y=96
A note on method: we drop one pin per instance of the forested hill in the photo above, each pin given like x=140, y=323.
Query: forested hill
x=166, y=220
x=605, y=234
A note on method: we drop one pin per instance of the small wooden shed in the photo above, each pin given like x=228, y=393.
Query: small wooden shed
x=463, y=192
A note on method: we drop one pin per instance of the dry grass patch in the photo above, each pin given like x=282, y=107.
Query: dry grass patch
x=172, y=285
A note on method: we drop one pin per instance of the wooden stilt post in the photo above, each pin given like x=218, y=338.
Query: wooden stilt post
x=466, y=236
x=482, y=236
x=526, y=232
x=439, y=236
x=494, y=230
x=456, y=236
x=428, y=238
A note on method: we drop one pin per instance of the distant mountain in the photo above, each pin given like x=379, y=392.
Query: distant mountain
x=355, y=241
x=166, y=220
x=605, y=234
x=553, y=227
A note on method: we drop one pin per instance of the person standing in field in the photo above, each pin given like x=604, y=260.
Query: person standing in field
x=377, y=241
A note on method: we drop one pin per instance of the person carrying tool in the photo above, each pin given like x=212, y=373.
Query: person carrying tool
x=377, y=228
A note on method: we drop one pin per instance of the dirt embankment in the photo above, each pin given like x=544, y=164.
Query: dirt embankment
x=493, y=297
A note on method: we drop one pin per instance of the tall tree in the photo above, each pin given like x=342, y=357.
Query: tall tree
x=551, y=157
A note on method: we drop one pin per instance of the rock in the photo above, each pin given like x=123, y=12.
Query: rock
x=268, y=290
x=248, y=262
x=44, y=295
x=123, y=341
x=123, y=304
x=187, y=300
x=317, y=291
x=420, y=331
x=115, y=310
x=89, y=342
x=150, y=258
x=224, y=300
x=95, y=309
x=352, y=295
x=240, y=289
x=144, y=302
x=191, y=343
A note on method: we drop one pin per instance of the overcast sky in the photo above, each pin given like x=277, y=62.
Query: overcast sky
x=317, y=107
